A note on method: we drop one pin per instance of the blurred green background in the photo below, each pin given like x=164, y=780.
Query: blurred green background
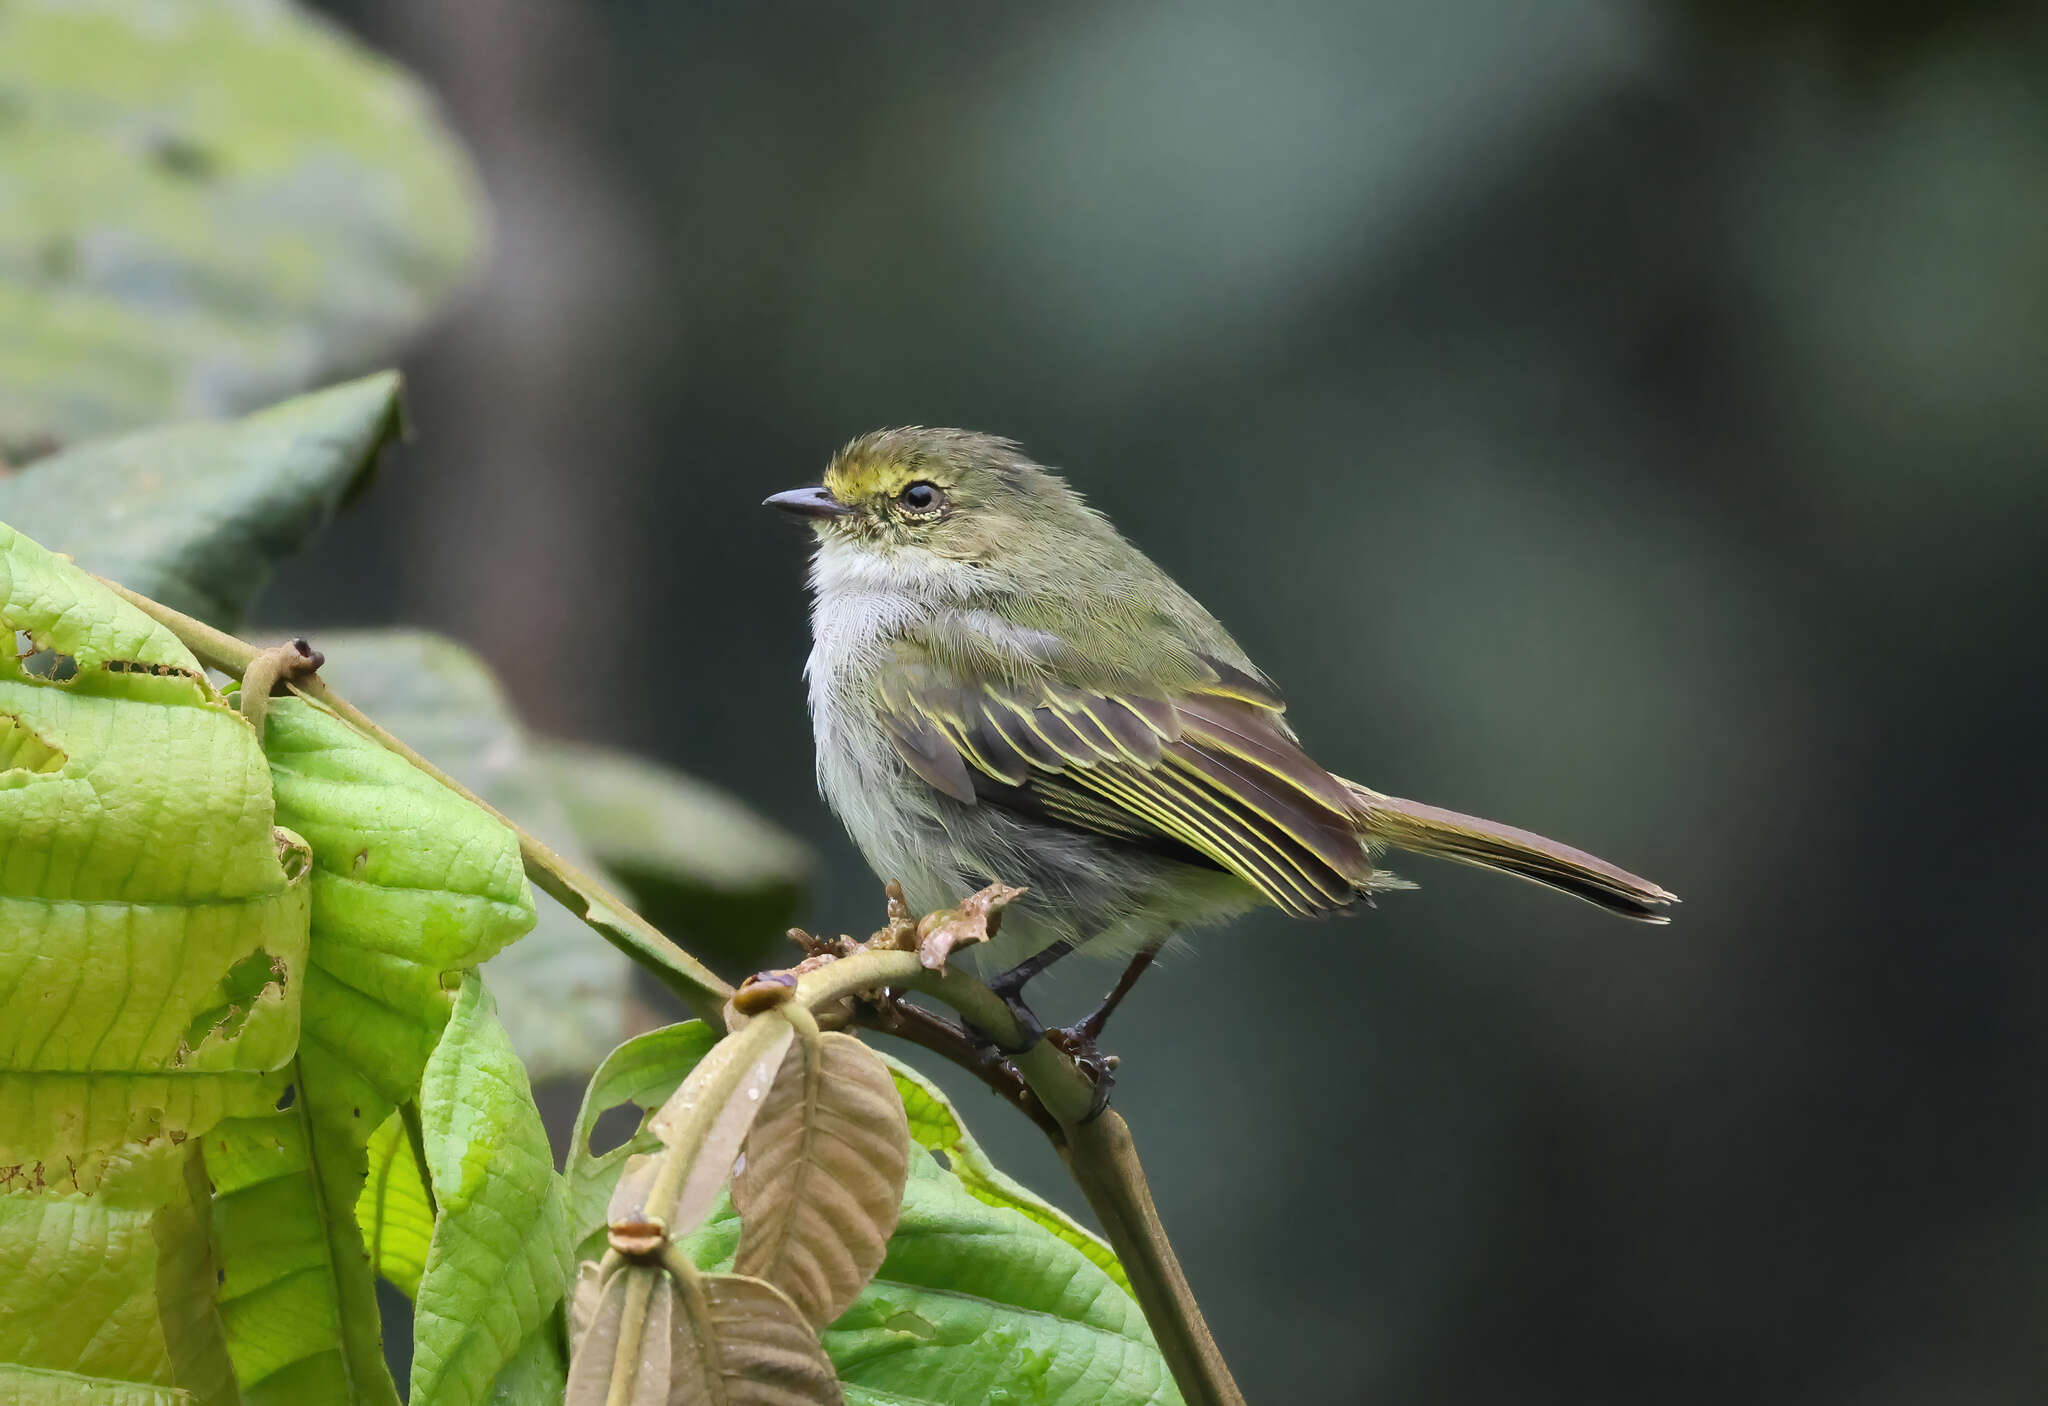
x=1625, y=419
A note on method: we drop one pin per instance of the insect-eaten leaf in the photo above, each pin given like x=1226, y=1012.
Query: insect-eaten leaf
x=822, y=1179
x=411, y=884
x=153, y=953
x=639, y=1076
x=704, y=1338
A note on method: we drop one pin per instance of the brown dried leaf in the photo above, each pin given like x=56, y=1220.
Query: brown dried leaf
x=583, y=1300
x=977, y=919
x=739, y=1341
x=596, y=1344
x=822, y=1183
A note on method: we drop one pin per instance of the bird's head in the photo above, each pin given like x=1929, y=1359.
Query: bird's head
x=930, y=505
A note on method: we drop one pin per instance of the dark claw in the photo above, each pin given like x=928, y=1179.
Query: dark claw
x=1077, y=1042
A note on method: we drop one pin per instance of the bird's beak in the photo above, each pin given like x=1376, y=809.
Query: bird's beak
x=808, y=502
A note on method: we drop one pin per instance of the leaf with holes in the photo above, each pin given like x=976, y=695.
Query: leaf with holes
x=639, y=1075
x=563, y=995
x=208, y=204
x=716, y=1337
x=499, y=1262
x=153, y=954
x=196, y=515
x=936, y=1126
x=823, y=1176
x=699, y=864
x=411, y=886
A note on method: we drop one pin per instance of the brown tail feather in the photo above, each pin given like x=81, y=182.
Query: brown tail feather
x=1445, y=834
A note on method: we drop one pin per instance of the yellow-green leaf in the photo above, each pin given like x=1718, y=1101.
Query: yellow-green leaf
x=412, y=885
x=153, y=949
x=499, y=1262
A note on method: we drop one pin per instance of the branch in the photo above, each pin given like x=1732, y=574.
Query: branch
x=568, y=884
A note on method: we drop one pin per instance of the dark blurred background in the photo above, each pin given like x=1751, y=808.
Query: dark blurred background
x=1626, y=419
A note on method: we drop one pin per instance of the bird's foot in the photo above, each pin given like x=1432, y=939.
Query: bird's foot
x=1077, y=1043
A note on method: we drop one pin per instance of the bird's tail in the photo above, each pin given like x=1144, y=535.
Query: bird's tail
x=1445, y=834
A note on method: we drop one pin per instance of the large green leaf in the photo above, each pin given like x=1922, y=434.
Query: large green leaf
x=195, y=515
x=499, y=1263
x=411, y=885
x=204, y=205
x=980, y=1298
x=562, y=992
x=935, y=1127
x=700, y=864
x=153, y=949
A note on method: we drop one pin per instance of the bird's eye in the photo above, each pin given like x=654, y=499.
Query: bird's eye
x=921, y=499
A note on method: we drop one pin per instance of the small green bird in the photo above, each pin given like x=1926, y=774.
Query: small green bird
x=1003, y=688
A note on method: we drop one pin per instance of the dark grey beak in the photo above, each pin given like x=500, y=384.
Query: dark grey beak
x=807, y=502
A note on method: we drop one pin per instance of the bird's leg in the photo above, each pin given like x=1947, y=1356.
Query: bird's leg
x=1010, y=986
x=1077, y=1041
x=1090, y=1026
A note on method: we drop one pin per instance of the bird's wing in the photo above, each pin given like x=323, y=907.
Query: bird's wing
x=1208, y=770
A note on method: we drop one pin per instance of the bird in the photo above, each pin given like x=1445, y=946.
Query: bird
x=1002, y=688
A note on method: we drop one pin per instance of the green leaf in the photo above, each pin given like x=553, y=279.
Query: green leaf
x=207, y=204
x=411, y=886
x=393, y=1212
x=935, y=1127
x=700, y=864
x=641, y=1073
x=563, y=992
x=536, y=1375
x=153, y=945
x=195, y=515
x=977, y=1296
x=499, y=1263
x=979, y=1303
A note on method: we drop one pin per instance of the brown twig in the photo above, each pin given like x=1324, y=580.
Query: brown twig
x=953, y=1041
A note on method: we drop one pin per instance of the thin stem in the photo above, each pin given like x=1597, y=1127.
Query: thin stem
x=746, y=1048
x=568, y=884
x=954, y=1042
x=632, y=1330
x=1103, y=1159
